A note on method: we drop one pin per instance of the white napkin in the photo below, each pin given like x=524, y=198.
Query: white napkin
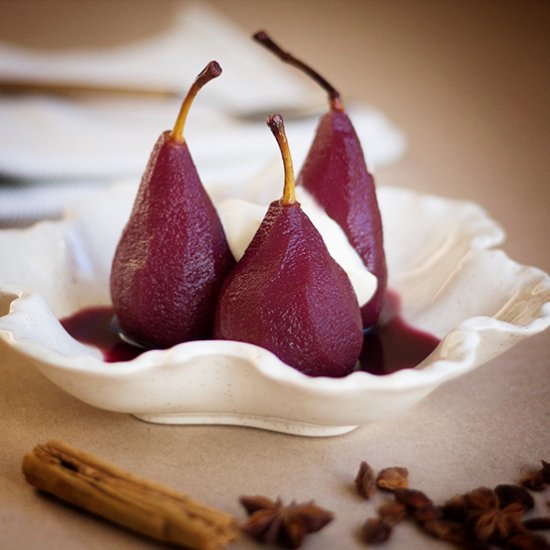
x=82, y=154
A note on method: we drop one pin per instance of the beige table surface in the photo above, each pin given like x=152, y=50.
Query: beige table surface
x=469, y=83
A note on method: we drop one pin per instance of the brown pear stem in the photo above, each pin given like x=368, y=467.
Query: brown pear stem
x=276, y=124
x=334, y=95
x=212, y=70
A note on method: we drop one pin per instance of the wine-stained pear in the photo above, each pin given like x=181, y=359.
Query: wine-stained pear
x=335, y=173
x=173, y=255
x=287, y=294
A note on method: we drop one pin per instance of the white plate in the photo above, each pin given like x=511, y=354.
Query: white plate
x=440, y=257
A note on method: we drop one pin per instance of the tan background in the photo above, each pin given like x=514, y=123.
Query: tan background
x=469, y=82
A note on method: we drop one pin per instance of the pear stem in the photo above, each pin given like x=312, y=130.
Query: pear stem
x=212, y=70
x=276, y=124
x=334, y=95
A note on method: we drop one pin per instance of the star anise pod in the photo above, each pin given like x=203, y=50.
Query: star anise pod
x=393, y=478
x=508, y=494
x=480, y=501
x=500, y=524
x=535, y=481
x=392, y=512
x=364, y=480
x=285, y=525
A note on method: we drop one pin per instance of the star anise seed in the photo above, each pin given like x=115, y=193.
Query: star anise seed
x=311, y=516
x=364, y=481
x=392, y=512
x=455, y=508
x=258, y=502
x=271, y=521
x=375, y=531
x=260, y=523
x=446, y=530
x=535, y=481
x=393, y=478
x=292, y=535
x=412, y=499
x=427, y=513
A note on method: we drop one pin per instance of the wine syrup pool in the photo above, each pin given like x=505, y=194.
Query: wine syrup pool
x=394, y=345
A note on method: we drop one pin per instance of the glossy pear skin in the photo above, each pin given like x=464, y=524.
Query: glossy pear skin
x=172, y=257
x=335, y=173
x=288, y=295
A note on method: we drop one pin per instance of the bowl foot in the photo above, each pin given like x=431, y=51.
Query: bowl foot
x=250, y=421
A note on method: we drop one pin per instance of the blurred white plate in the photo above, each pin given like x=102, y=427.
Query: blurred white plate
x=49, y=138
x=102, y=136
x=87, y=147
x=167, y=62
x=451, y=282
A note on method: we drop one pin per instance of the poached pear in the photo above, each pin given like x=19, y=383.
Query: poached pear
x=172, y=256
x=336, y=174
x=287, y=294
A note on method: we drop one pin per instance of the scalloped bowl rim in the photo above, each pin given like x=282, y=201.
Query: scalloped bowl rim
x=272, y=367
x=429, y=374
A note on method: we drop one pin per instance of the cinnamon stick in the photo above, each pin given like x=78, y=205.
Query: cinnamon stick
x=126, y=499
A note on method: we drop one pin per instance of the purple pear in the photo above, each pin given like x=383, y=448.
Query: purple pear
x=173, y=255
x=287, y=294
x=335, y=173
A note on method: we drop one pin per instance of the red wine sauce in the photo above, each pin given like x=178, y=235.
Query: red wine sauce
x=391, y=346
x=394, y=344
x=96, y=326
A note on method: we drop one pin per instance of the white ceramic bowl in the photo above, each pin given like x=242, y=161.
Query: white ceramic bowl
x=441, y=261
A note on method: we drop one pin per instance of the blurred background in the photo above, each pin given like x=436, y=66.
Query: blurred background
x=465, y=83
